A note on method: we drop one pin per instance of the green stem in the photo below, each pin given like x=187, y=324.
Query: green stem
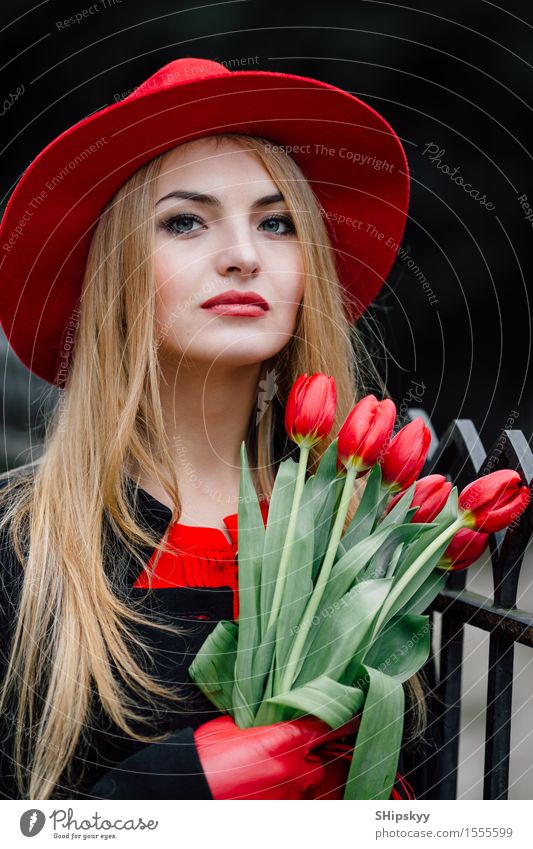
x=318, y=592
x=289, y=538
x=409, y=573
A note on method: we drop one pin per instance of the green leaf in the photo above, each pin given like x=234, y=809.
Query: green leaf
x=279, y=511
x=213, y=668
x=425, y=594
x=325, y=698
x=350, y=569
x=298, y=584
x=402, y=647
x=340, y=630
x=447, y=515
x=398, y=534
x=410, y=582
x=251, y=541
x=324, y=498
x=242, y=712
x=393, y=562
x=398, y=514
x=344, y=572
x=364, y=517
x=269, y=713
x=327, y=466
x=377, y=747
x=262, y=665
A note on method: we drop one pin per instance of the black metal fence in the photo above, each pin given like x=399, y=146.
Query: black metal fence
x=433, y=769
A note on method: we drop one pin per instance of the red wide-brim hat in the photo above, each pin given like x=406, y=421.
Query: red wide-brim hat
x=352, y=158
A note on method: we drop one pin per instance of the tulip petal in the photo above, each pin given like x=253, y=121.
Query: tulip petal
x=310, y=408
x=406, y=455
x=365, y=431
x=494, y=500
x=466, y=546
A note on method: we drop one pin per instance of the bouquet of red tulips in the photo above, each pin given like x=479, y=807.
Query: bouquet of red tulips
x=332, y=623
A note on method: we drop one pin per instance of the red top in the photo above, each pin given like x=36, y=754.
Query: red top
x=202, y=557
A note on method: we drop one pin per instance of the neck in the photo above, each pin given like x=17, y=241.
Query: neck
x=206, y=411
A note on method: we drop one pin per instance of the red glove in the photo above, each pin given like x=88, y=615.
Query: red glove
x=337, y=758
x=269, y=761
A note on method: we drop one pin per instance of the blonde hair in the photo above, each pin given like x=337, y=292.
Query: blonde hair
x=68, y=512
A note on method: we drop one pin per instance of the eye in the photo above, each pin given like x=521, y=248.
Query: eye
x=277, y=220
x=181, y=224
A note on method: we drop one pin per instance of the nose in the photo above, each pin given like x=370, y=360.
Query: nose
x=240, y=255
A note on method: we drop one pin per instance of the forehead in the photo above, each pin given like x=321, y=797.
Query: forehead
x=211, y=166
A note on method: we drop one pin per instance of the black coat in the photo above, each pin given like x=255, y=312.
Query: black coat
x=108, y=764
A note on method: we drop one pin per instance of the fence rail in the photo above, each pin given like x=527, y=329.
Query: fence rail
x=460, y=456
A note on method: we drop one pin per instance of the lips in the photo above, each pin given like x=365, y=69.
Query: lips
x=235, y=298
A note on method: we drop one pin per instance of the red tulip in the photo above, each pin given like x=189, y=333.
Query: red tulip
x=405, y=455
x=310, y=409
x=493, y=501
x=365, y=431
x=464, y=549
x=430, y=496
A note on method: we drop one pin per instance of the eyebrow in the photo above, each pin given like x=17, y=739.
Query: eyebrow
x=211, y=200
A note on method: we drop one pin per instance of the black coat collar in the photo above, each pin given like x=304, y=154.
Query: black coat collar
x=196, y=610
x=209, y=603
x=156, y=514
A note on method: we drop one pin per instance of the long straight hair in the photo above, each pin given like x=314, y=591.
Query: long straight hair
x=71, y=628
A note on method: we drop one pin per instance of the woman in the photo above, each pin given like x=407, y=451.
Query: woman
x=203, y=187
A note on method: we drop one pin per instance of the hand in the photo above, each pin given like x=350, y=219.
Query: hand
x=336, y=756
x=269, y=761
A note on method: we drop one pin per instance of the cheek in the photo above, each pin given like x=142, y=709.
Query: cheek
x=174, y=277
x=295, y=286
x=170, y=294
x=296, y=265
x=165, y=269
x=164, y=288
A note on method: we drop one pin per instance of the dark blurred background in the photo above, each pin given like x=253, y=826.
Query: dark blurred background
x=453, y=79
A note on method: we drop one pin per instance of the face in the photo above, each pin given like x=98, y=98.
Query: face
x=228, y=231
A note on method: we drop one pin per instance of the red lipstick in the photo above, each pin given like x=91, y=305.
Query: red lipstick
x=234, y=302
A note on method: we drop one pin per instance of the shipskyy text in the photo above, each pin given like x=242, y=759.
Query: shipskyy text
x=408, y=815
